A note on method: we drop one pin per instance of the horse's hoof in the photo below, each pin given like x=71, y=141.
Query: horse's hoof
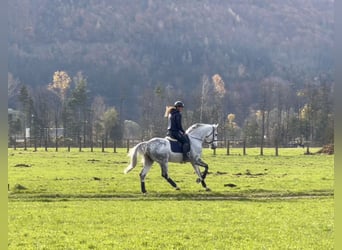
x=177, y=188
x=199, y=180
x=208, y=189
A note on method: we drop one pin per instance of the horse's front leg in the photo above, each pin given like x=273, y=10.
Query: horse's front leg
x=201, y=176
x=206, y=167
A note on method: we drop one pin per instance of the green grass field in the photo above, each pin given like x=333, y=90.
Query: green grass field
x=82, y=200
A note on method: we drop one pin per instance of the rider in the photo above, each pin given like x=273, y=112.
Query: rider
x=175, y=128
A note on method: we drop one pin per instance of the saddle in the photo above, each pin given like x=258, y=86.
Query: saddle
x=176, y=146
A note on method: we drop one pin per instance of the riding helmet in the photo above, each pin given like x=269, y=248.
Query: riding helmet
x=179, y=104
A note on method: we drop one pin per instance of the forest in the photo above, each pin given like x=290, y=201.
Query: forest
x=84, y=71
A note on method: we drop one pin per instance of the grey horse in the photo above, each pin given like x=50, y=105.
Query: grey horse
x=159, y=150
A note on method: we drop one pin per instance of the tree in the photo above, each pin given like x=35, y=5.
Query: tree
x=251, y=129
x=13, y=89
x=212, y=94
x=98, y=108
x=232, y=127
x=26, y=107
x=159, y=122
x=14, y=125
x=204, y=97
x=111, y=122
x=324, y=125
x=264, y=111
x=44, y=106
x=274, y=105
x=59, y=86
x=132, y=130
x=78, y=109
x=279, y=108
x=316, y=113
x=153, y=107
x=219, y=94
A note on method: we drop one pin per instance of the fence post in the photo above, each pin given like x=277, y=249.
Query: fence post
x=307, y=149
x=114, y=146
x=244, y=147
x=228, y=146
x=127, y=145
x=102, y=144
x=80, y=144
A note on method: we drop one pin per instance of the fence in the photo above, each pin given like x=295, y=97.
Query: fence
x=62, y=143
x=125, y=143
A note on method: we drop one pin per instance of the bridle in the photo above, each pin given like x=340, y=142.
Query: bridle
x=213, y=134
x=206, y=137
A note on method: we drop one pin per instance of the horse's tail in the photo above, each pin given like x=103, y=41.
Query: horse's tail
x=133, y=153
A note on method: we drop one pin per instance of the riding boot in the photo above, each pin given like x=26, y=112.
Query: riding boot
x=185, y=157
x=186, y=154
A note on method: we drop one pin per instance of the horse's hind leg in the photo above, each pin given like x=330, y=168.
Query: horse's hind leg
x=147, y=166
x=198, y=172
x=165, y=174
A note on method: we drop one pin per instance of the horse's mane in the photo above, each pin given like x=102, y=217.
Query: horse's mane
x=193, y=127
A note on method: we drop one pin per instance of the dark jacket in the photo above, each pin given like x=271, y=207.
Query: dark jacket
x=175, y=121
x=175, y=130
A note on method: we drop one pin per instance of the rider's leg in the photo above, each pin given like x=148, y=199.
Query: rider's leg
x=185, y=144
x=185, y=148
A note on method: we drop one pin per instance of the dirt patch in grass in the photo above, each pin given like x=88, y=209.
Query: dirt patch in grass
x=248, y=173
x=327, y=149
x=22, y=165
x=18, y=187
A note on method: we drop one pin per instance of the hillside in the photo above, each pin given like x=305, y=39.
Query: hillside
x=123, y=47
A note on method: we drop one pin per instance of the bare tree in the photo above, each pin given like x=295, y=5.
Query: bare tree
x=265, y=108
x=212, y=94
x=13, y=89
x=218, y=95
x=78, y=108
x=204, y=96
x=98, y=108
x=59, y=86
x=111, y=120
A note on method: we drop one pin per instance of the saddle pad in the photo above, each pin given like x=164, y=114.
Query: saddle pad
x=176, y=146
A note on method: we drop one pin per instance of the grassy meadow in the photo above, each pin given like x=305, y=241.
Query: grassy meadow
x=82, y=200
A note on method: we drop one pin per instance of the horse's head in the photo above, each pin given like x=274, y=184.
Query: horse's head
x=211, y=137
x=205, y=133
